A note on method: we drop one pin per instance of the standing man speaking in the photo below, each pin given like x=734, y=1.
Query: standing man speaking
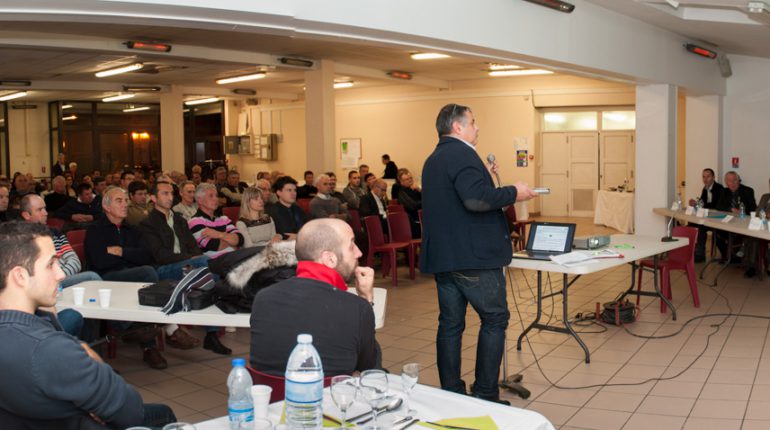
x=466, y=244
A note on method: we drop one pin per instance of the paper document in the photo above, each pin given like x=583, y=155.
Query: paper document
x=575, y=258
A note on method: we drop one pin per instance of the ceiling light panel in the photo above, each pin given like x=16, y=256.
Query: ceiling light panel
x=118, y=97
x=118, y=70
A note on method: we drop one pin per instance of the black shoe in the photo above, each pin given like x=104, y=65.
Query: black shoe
x=212, y=343
x=153, y=359
x=750, y=273
x=495, y=399
x=700, y=259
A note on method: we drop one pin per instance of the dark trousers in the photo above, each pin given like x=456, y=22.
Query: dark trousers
x=700, y=244
x=485, y=291
x=157, y=415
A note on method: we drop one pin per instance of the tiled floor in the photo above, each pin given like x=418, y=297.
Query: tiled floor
x=721, y=381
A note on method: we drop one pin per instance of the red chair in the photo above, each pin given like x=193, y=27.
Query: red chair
x=517, y=228
x=76, y=236
x=56, y=223
x=377, y=245
x=395, y=209
x=677, y=259
x=305, y=205
x=231, y=212
x=401, y=231
x=80, y=250
x=277, y=383
x=355, y=221
x=419, y=217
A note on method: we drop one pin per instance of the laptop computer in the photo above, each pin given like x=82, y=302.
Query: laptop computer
x=546, y=239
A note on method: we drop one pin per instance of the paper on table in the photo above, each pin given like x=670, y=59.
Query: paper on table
x=584, y=257
x=481, y=423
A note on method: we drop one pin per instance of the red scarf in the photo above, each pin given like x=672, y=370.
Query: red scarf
x=319, y=272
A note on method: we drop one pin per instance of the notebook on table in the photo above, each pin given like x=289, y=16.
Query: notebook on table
x=546, y=239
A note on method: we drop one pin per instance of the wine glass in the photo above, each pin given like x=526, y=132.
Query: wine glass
x=410, y=374
x=343, y=389
x=374, y=389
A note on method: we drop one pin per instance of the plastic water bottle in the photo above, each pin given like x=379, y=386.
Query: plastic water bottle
x=240, y=406
x=304, y=386
x=742, y=210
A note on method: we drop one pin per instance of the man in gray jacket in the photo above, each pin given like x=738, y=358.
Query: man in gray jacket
x=50, y=379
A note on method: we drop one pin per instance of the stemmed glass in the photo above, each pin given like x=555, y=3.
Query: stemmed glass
x=410, y=374
x=374, y=389
x=343, y=389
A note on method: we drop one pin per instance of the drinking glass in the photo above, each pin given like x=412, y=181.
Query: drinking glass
x=344, y=390
x=410, y=374
x=374, y=389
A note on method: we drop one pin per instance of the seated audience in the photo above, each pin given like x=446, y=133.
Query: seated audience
x=323, y=204
x=266, y=188
x=138, y=207
x=220, y=177
x=396, y=187
x=253, y=223
x=70, y=185
x=313, y=302
x=286, y=214
x=334, y=193
x=50, y=379
x=187, y=207
x=410, y=197
x=214, y=232
x=353, y=192
x=710, y=195
x=307, y=191
x=82, y=211
x=6, y=213
x=369, y=179
x=733, y=196
x=21, y=187
x=374, y=203
x=233, y=189
x=363, y=170
x=60, y=167
x=100, y=184
x=126, y=178
x=751, y=245
x=391, y=170
x=58, y=197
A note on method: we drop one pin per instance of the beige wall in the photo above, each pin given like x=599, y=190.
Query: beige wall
x=28, y=139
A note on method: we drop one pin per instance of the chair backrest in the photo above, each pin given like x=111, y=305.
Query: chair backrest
x=374, y=231
x=56, y=223
x=76, y=236
x=395, y=208
x=277, y=383
x=510, y=215
x=399, y=228
x=305, y=205
x=231, y=212
x=685, y=253
x=80, y=250
x=355, y=220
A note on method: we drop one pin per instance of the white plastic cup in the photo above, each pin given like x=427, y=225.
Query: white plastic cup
x=104, y=297
x=706, y=212
x=753, y=214
x=261, y=396
x=262, y=424
x=78, y=294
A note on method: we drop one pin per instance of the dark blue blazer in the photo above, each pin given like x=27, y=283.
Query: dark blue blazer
x=464, y=225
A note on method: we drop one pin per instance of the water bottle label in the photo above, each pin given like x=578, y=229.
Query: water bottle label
x=304, y=392
x=239, y=415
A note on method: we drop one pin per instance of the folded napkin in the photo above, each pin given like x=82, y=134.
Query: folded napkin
x=480, y=423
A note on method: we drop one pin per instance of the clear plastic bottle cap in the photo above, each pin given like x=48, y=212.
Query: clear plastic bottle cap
x=239, y=362
x=305, y=338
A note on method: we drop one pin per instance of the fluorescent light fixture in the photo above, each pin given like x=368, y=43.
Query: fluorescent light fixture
x=11, y=96
x=345, y=84
x=428, y=56
x=119, y=70
x=245, y=92
x=118, y=97
x=554, y=118
x=140, y=88
x=14, y=83
x=297, y=62
x=521, y=72
x=758, y=7
x=66, y=107
x=136, y=109
x=241, y=78
x=201, y=101
x=496, y=66
x=69, y=118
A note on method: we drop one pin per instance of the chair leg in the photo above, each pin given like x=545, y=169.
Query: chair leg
x=665, y=283
x=410, y=254
x=639, y=284
x=394, y=268
x=693, y=284
x=386, y=263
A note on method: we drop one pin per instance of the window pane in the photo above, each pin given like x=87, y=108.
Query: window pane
x=619, y=120
x=146, y=150
x=563, y=121
x=79, y=147
x=114, y=151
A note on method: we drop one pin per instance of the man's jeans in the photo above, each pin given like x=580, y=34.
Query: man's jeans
x=485, y=291
x=71, y=321
x=173, y=271
x=133, y=274
x=78, y=278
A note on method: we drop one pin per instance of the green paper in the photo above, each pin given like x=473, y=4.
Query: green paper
x=481, y=423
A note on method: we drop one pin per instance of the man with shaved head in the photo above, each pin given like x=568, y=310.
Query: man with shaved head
x=315, y=301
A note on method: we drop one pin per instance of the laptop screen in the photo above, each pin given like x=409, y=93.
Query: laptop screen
x=551, y=237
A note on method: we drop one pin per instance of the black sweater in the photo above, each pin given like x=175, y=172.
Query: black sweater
x=101, y=234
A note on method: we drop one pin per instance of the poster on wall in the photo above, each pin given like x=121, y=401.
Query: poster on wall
x=521, y=158
x=350, y=151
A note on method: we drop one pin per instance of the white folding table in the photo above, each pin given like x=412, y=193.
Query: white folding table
x=632, y=247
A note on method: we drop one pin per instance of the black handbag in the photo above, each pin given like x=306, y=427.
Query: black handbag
x=158, y=294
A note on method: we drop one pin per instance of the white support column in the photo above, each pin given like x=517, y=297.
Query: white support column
x=319, y=118
x=703, y=131
x=172, y=129
x=655, y=156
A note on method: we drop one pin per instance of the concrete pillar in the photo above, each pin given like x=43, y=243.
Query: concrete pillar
x=319, y=118
x=172, y=129
x=655, y=156
x=703, y=131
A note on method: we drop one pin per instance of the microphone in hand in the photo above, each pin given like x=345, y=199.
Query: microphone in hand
x=493, y=167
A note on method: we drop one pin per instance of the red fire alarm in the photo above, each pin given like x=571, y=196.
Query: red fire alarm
x=736, y=162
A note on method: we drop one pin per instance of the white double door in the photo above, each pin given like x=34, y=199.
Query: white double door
x=577, y=164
